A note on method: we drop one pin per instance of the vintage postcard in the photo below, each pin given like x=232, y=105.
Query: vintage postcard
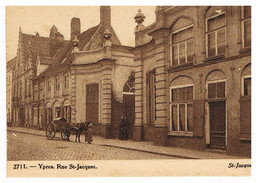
x=128, y=91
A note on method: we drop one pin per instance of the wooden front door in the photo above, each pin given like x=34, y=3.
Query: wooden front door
x=218, y=125
x=92, y=102
x=129, y=113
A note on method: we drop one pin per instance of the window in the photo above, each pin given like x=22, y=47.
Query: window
x=67, y=113
x=57, y=112
x=216, y=90
x=35, y=96
x=21, y=86
x=56, y=86
x=182, y=48
x=41, y=92
x=14, y=90
x=48, y=89
x=216, y=35
x=25, y=88
x=49, y=115
x=151, y=96
x=66, y=84
x=245, y=104
x=246, y=26
x=182, y=109
x=247, y=86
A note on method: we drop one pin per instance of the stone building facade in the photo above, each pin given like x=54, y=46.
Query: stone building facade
x=193, y=78
x=89, y=77
x=9, y=77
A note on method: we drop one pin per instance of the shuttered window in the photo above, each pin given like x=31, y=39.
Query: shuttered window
x=151, y=96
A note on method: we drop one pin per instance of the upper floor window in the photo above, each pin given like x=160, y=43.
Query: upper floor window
x=182, y=42
x=35, y=89
x=216, y=34
x=41, y=91
x=48, y=88
x=246, y=26
x=56, y=85
x=66, y=84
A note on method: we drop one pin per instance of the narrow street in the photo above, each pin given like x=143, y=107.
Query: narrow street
x=32, y=144
x=22, y=146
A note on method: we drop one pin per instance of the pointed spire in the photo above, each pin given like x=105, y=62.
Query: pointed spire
x=20, y=30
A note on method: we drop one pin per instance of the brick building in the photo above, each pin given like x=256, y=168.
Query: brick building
x=9, y=77
x=193, y=78
x=89, y=77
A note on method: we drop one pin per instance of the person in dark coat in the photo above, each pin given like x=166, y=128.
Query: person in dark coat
x=89, y=133
x=123, y=129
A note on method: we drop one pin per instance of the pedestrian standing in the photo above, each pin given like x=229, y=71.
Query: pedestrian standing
x=89, y=133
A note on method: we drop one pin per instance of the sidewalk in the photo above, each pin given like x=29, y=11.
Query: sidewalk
x=140, y=146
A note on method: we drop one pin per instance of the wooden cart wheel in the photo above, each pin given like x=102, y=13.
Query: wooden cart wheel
x=65, y=135
x=50, y=131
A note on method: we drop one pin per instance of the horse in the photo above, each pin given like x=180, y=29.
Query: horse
x=78, y=128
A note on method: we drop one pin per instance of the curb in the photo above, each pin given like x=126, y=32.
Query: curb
x=120, y=147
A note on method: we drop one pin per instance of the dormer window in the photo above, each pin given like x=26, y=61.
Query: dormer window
x=216, y=34
x=182, y=46
x=246, y=26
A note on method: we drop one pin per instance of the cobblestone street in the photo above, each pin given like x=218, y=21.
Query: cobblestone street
x=33, y=147
x=31, y=144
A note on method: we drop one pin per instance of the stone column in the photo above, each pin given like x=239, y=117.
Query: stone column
x=138, y=126
x=73, y=95
x=161, y=127
x=106, y=92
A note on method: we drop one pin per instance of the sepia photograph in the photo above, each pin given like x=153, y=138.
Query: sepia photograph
x=167, y=85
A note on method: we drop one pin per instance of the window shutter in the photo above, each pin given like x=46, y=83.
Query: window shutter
x=198, y=117
x=245, y=117
x=148, y=97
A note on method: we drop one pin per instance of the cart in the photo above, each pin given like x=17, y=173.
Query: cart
x=58, y=125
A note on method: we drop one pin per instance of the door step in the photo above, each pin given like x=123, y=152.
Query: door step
x=216, y=150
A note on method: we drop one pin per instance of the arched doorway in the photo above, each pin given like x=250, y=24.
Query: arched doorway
x=129, y=105
x=216, y=132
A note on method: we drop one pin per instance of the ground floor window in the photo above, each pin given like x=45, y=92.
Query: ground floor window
x=35, y=116
x=247, y=86
x=182, y=109
x=67, y=113
x=57, y=112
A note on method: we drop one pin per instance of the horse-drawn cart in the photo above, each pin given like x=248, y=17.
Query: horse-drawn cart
x=58, y=125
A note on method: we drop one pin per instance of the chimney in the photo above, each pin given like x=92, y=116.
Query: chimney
x=75, y=27
x=105, y=16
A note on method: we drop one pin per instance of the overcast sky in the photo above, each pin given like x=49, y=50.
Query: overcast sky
x=40, y=19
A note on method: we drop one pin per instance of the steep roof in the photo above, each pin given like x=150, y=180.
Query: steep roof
x=11, y=63
x=37, y=44
x=64, y=55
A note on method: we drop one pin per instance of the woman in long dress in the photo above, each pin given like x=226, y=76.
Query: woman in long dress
x=89, y=133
